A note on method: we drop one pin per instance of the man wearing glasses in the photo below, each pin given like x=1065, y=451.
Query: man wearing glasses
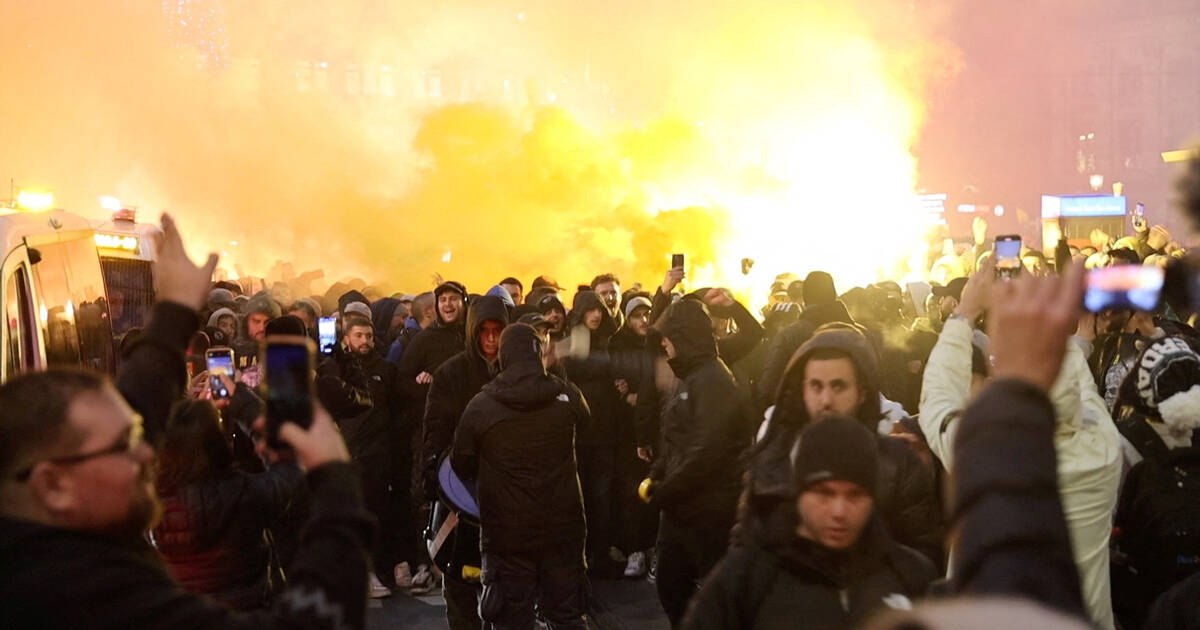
x=76, y=492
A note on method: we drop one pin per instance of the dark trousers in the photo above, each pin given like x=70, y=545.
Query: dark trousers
x=686, y=553
x=379, y=501
x=551, y=579
x=462, y=604
x=597, y=472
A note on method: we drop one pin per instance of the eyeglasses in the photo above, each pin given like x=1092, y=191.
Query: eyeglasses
x=128, y=442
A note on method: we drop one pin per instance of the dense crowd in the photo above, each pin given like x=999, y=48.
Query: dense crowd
x=962, y=453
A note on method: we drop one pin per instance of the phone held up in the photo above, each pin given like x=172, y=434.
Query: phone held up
x=1134, y=287
x=1008, y=256
x=677, y=261
x=289, y=363
x=327, y=333
x=219, y=362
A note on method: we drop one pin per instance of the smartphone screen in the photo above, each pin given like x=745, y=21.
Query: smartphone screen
x=288, y=363
x=676, y=261
x=1008, y=255
x=327, y=333
x=1141, y=210
x=219, y=362
x=1124, y=286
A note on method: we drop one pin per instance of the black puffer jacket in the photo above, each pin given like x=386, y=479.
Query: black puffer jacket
x=517, y=437
x=362, y=396
x=806, y=585
x=455, y=383
x=706, y=425
x=905, y=500
x=593, y=376
x=427, y=351
x=212, y=533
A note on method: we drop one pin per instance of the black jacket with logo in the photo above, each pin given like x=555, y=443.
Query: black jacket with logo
x=517, y=438
x=805, y=585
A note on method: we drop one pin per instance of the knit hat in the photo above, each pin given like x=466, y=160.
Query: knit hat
x=350, y=297
x=635, y=303
x=220, y=297
x=262, y=303
x=358, y=307
x=519, y=343
x=1168, y=381
x=837, y=448
x=819, y=289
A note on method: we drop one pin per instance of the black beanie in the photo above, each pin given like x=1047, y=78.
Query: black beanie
x=287, y=325
x=818, y=289
x=520, y=343
x=837, y=448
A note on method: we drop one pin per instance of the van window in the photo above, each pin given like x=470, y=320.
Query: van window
x=130, y=285
x=18, y=317
x=74, y=311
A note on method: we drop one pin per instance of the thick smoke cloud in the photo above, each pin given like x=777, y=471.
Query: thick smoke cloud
x=517, y=138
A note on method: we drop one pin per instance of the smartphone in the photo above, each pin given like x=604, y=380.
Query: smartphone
x=1125, y=286
x=327, y=333
x=676, y=261
x=1141, y=209
x=288, y=362
x=219, y=362
x=1008, y=256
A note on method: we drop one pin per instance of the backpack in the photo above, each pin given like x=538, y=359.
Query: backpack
x=1156, y=535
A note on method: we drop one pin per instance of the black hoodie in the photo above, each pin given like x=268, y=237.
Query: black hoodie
x=783, y=347
x=595, y=376
x=706, y=426
x=905, y=500
x=430, y=348
x=517, y=437
x=456, y=382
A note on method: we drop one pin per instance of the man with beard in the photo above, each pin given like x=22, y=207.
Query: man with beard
x=455, y=383
x=358, y=387
x=75, y=487
x=608, y=287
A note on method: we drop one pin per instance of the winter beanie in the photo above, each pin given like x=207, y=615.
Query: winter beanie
x=635, y=303
x=837, y=449
x=818, y=289
x=1168, y=380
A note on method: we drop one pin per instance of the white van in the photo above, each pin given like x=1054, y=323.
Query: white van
x=126, y=250
x=52, y=294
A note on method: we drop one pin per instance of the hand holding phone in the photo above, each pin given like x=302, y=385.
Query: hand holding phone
x=219, y=362
x=677, y=261
x=288, y=363
x=327, y=334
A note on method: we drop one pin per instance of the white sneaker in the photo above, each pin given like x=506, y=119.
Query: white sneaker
x=403, y=575
x=637, y=565
x=422, y=582
x=375, y=588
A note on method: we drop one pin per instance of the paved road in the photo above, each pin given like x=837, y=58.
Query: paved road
x=633, y=602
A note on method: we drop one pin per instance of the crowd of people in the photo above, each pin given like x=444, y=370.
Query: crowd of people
x=974, y=451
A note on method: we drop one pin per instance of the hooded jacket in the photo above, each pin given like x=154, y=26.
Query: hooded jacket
x=706, y=425
x=381, y=318
x=1086, y=442
x=456, y=382
x=757, y=589
x=431, y=347
x=361, y=394
x=905, y=501
x=783, y=347
x=218, y=314
x=517, y=438
x=593, y=376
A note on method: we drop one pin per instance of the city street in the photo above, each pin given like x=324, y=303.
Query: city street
x=633, y=603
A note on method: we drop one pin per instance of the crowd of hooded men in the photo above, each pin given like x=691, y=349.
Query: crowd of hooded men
x=993, y=458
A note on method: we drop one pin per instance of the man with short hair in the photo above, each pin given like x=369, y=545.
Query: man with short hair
x=359, y=388
x=422, y=314
x=515, y=289
x=608, y=287
x=839, y=565
x=76, y=492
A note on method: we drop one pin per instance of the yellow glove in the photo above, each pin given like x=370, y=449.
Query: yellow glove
x=644, y=489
